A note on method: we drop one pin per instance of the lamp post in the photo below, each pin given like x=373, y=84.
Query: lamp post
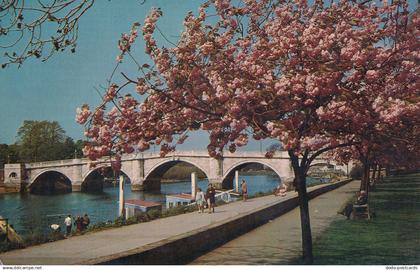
x=121, y=210
x=193, y=184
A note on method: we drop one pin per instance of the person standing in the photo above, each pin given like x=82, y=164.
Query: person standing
x=199, y=199
x=78, y=223
x=211, y=197
x=68, y=222
x=85, y=222
x=244, y=189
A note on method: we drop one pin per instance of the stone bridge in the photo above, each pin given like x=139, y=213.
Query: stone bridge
x=146, y=169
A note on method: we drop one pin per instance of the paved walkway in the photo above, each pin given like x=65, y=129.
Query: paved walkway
x=93, y=246
x=279, y=241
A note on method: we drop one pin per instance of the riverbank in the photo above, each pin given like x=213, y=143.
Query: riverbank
x=163, y=240
x=392, y=237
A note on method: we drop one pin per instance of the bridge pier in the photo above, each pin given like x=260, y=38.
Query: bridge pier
x=14, y=177
x=137, y=187
x=76, y=187
x=14, y=188
x=216, y=182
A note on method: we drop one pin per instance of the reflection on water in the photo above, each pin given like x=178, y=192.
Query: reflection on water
x=34, y=213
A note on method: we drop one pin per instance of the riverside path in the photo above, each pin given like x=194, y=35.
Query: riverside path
x=173, y=240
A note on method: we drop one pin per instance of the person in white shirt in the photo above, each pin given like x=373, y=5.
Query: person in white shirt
x=199, y=199
x=68, y=222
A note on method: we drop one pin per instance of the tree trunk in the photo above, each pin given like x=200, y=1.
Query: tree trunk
x=379, y=173
x=365, y=178
x=374, y=174
x=387, y=171
x=304, y=217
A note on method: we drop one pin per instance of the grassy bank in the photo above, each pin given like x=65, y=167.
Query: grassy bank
x=391, y=237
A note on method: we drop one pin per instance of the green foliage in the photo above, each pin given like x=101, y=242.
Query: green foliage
x=8, y=154
x=143, y=217
x=154, y=214
x=131, y=220
x=173, y=211
x=98, y=226
x=6, y=246
x=40, y=141
x=38, y=238
x=78, y=148
x=119, y=221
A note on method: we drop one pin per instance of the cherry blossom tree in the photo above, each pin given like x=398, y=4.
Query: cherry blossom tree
x=287, y=70
x=390, y=109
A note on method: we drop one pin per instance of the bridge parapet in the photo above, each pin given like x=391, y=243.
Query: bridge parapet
x=43, y=164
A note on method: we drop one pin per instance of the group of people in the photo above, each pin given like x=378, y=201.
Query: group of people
x=80, y=222
x=209, y=198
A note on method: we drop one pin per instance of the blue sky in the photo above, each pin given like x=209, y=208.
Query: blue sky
x=54, y=89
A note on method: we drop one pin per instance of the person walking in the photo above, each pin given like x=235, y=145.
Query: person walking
x=199, y=199
x=211, y=197
x=244, y=189
x=85, y=222
x=68, y=222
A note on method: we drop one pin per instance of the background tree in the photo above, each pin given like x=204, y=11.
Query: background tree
x=44, y=140
x=78, y=145
x=263, y=69
x=8, y=154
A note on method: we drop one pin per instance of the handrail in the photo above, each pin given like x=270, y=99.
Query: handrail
x=220, y=195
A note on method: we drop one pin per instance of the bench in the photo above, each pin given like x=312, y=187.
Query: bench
x=360, y=211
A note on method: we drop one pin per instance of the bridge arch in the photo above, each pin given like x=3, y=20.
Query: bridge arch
x=322, y=164
x=93, y=180
x=50, y=182
x=229, y=175
x=152, y=178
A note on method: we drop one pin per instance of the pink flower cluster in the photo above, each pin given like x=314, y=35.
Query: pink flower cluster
x=314, y=77
x=126, y=41
x=82, y=114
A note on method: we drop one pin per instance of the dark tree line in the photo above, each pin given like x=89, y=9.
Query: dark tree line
x=40, y=141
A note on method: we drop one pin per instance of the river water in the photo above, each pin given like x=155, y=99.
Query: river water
x=30, y=213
